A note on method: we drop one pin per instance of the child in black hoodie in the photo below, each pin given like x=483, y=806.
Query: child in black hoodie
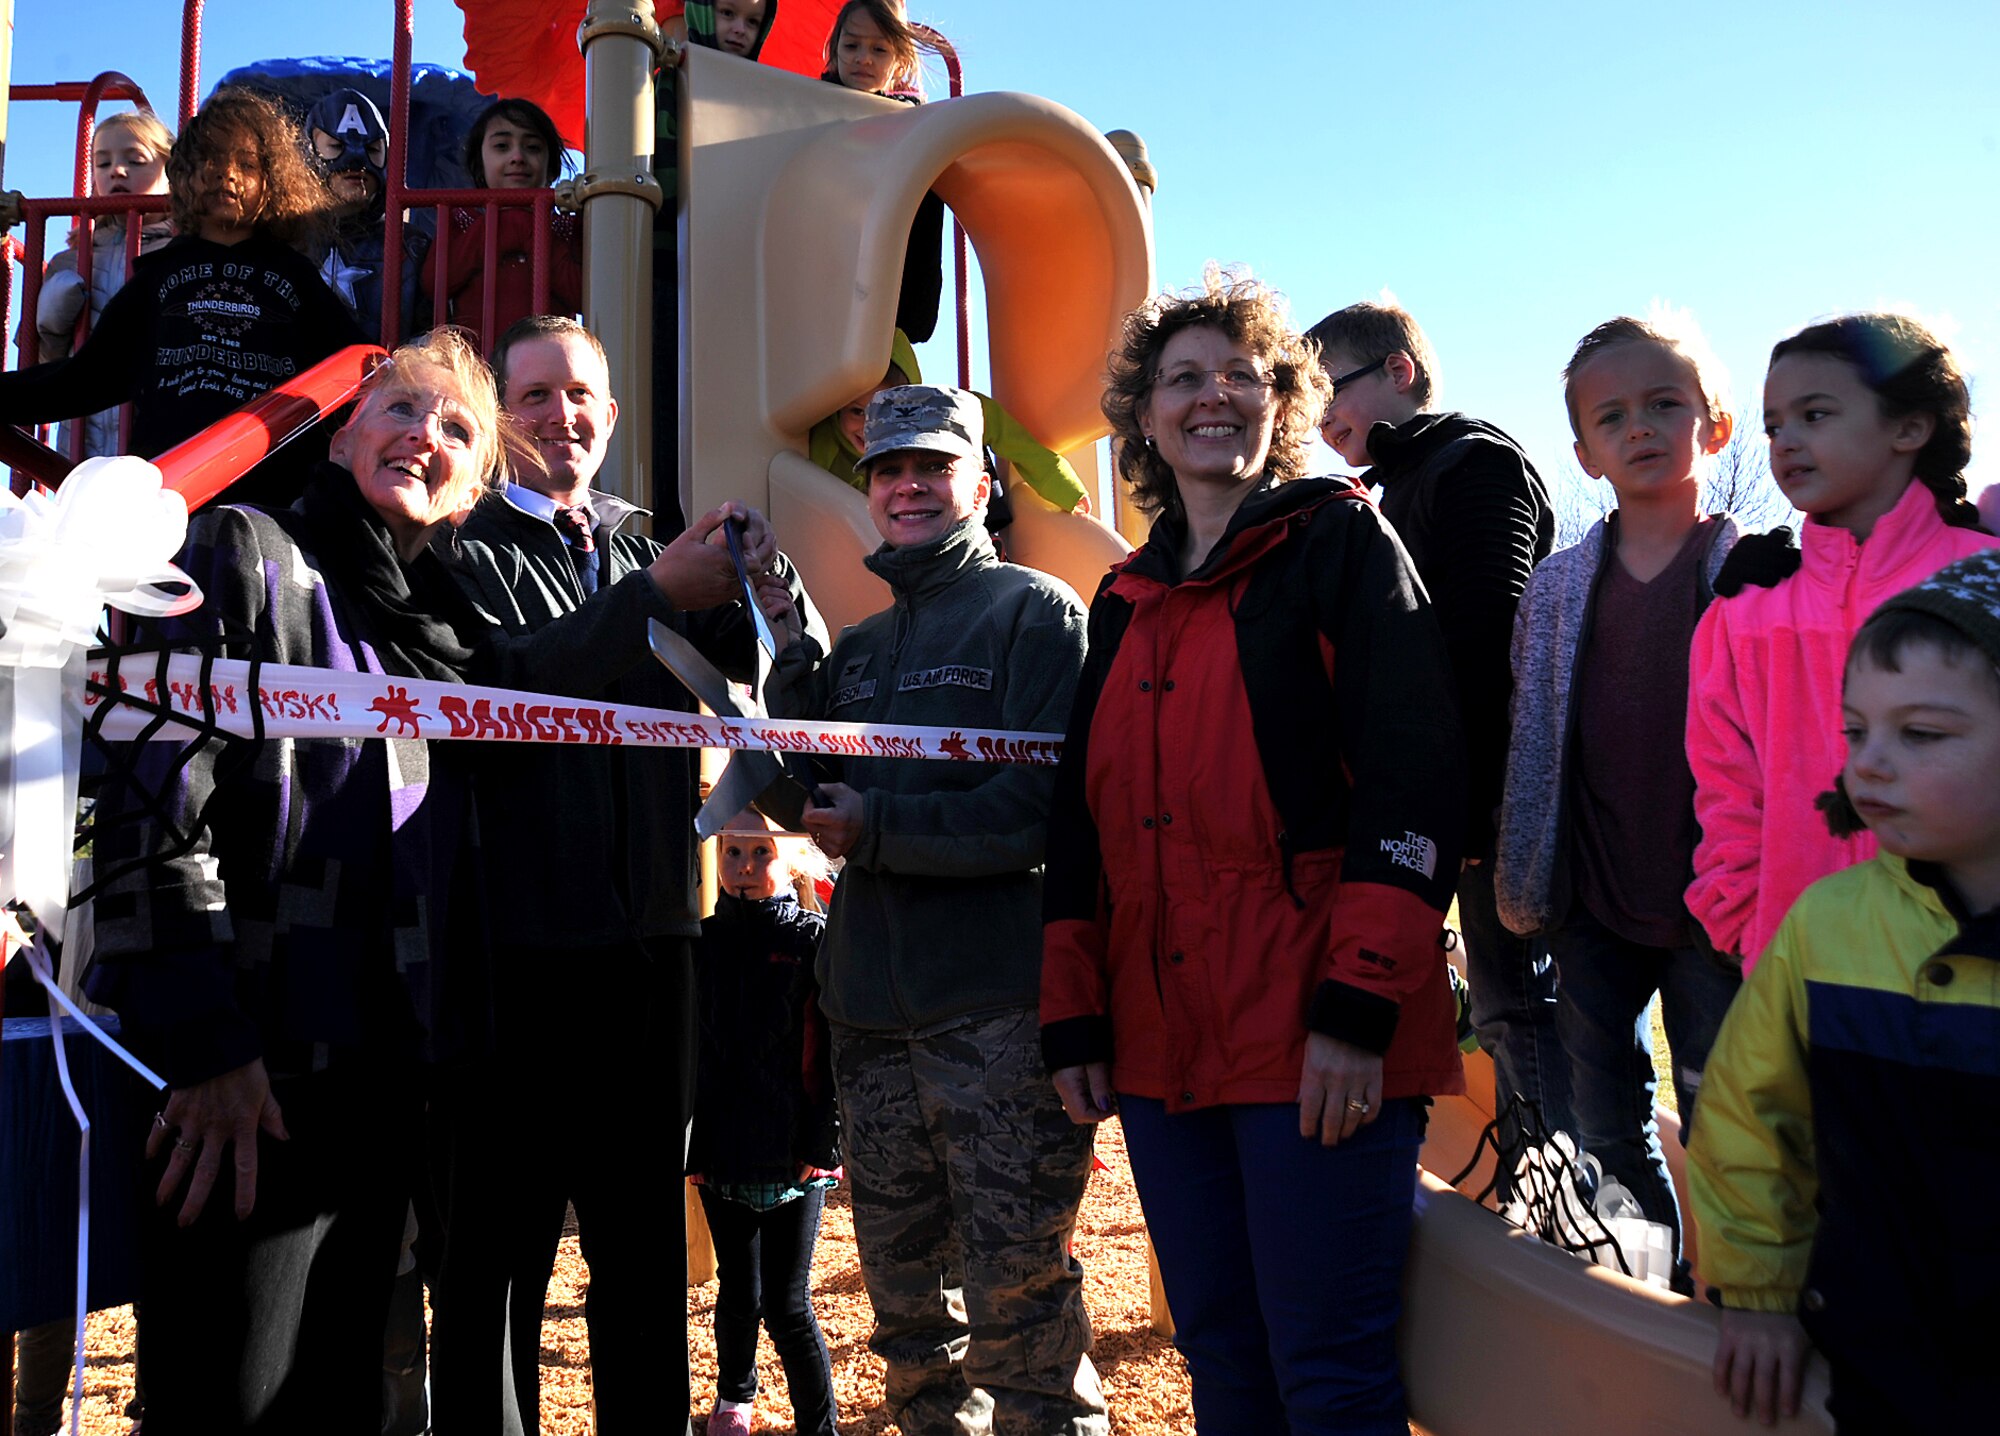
x=1476, y=519
x=763, y=1149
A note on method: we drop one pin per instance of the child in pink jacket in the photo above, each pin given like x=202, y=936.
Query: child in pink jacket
x=1870, y=428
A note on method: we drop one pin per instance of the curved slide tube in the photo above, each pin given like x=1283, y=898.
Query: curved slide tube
x=796, y=200
x=1504, y=1336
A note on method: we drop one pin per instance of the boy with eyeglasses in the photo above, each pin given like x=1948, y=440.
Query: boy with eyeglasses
x=1476, y=519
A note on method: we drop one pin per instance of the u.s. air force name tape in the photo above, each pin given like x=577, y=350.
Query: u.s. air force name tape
x=299, y=702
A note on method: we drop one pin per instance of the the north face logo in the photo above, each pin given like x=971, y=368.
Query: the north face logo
x=1413, y=850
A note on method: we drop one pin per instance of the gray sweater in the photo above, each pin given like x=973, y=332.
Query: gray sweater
x=1550, y=628
x=938, y=915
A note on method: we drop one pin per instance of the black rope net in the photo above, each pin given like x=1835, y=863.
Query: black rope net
x=148, y=800
x=1540, y=1184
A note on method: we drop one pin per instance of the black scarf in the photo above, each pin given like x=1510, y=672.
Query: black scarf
x=415, y=617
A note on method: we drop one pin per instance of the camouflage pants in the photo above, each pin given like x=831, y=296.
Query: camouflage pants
x=965, y=1177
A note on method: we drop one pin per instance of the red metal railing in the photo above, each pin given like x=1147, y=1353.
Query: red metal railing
x=190, y=56
x=87, y=95
x=401, y=196
x=201, y=467
x=31, y=460
x=36, y=213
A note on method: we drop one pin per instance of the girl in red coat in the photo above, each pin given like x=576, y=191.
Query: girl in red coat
x=512, y=145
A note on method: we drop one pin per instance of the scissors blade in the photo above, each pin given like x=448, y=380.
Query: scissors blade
x=744, y=779
x=700, y=677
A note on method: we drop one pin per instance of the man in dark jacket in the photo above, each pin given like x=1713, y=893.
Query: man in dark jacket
x=965, y=1173
x=592, y=967
x=1476, y=519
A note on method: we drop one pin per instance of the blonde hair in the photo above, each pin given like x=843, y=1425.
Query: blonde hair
x=143, y=126
x=1371, y=331
x=806, y=864
x=448, y=359
x=797, y=860
x=1675, y=331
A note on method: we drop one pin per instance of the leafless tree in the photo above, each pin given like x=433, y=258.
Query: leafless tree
x=1579, y=501
x=1740, y=483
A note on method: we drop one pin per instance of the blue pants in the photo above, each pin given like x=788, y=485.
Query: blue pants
x=1607, y=983
x=1513, y=983
x=1235, y=1196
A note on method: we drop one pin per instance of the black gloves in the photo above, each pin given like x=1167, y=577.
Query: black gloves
x=1762, y=560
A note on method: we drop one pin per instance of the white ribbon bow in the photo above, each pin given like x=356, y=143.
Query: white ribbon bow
x=107, y=536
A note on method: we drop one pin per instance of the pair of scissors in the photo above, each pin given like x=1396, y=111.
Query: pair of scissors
x=779, y=785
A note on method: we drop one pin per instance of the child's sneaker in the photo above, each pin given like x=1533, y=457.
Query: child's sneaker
x=733, y=1422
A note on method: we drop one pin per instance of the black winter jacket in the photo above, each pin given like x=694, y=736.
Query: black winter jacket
x=1476, y=519
x=764, y=1087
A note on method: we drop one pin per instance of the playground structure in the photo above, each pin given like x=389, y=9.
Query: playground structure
x=793, y=208
x=796, y=201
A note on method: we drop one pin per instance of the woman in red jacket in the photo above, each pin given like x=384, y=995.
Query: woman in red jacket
x=1255, y=835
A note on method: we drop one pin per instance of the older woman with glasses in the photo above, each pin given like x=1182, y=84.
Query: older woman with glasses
x=275, y=935
x=1255, y=832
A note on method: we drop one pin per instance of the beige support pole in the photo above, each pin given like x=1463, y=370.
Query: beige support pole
x=618, y=195
x=1163, y=1320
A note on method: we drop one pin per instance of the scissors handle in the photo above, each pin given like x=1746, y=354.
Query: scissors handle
x=733, y=531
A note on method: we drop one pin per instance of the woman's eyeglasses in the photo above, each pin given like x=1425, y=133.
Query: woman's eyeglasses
x=1237, y=379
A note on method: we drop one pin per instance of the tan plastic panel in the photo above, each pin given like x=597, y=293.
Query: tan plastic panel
x=1503, y=1336
x=795, y=204
x=825, y=529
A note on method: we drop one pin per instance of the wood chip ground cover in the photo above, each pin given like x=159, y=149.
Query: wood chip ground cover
x=1144, y=1378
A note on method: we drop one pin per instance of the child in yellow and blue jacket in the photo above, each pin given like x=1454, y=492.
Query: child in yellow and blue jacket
x=1850, y=1116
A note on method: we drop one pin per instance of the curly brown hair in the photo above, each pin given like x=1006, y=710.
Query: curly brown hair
x=1247, y=312
x=295, y=209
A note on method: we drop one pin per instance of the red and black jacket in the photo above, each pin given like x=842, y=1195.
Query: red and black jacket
x=1258, y=816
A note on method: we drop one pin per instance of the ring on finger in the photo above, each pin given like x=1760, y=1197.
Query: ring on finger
x=1357, y=1104
x=160, y=1121
x=184, y=1146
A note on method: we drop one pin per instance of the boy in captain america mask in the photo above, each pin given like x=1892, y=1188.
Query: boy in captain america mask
x=348, y=142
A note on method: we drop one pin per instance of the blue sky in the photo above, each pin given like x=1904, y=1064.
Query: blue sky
x=1512, y=173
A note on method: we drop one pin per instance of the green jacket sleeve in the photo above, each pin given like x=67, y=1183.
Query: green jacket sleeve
x=1750, y=1164
x=1043, y=470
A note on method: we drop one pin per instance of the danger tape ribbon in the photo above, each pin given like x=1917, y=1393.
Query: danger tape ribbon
x=298, y=702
